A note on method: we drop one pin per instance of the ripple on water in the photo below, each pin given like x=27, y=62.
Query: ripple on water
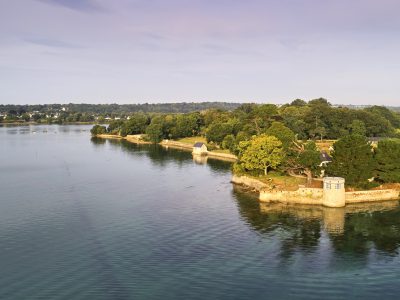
x=86, y=220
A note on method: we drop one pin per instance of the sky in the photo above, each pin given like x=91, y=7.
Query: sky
x=136, y=51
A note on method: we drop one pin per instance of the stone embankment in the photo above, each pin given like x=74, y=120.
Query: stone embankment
x=137, y=139
x=313, y=196
x=371, y=196
x=301, y=196
x=249, y=182
x=188, y=147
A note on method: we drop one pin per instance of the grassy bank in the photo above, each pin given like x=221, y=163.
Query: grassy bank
x=186, y=145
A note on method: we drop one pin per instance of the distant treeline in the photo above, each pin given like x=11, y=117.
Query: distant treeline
x=316, y=119
x=118, y=109
x=126, y=109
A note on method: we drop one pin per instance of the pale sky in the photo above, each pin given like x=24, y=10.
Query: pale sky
x=135, y=51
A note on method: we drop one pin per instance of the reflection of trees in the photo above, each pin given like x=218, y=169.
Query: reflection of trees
x=219, y=166
x=161, y=156
x=98, y=141
x=352, y=230
x=158, y=155
x=295, y=233
x=380, y=227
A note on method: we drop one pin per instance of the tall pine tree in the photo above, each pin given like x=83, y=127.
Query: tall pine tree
x=353, y=159
x=387, y=157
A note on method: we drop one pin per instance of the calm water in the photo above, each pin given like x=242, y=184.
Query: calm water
x=82, y=218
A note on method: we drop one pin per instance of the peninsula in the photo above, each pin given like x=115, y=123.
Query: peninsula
x=288, y=149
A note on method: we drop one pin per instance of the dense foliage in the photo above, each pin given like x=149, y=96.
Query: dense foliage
x=353, y=159
x=303, y=158
x=260, y=153
x=387, y=156
x=316, y=119
x=98, y=129
x=265, y=136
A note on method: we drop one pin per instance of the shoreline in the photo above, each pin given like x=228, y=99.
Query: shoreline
x=302, y=195
x=313, y=196
x=170, y=143
x=39, y=123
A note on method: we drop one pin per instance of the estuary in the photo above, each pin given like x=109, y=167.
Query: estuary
x=87, y=218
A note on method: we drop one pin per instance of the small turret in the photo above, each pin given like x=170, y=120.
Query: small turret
x=334, y=193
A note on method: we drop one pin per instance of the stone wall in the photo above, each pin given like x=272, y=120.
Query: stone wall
x=211, y=154
x=249, y=182
x=301, y=196
x=312, y=195
x=371, y=196
x=315, y=196
x=225, y=156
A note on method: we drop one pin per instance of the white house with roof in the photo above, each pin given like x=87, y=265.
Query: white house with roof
x=199, y=148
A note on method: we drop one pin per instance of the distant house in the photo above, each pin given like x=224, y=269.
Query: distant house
x=375, y=140
x=325, y=159
x=199, y=148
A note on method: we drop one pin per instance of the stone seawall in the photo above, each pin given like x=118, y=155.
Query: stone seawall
x=312, y=196
x=188, y=147
x=136, y=139
x=371, y=196
x=176, y=145
x=301, y=196
x=225, y=156
x=249, y=182
x=315, y=196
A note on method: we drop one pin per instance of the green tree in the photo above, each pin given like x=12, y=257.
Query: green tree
x=282, y=133
x=25, y=117
x=387, y=156
x=115, y=126
x=229, y=143
x=298, y=102
x=293, y=118
x=386, y=113
x=216, y=132
x=260, y=153
x=352, y=158
x=304, y=157
x=358, y=127
x=318, y=131
x=185, y=125
x=135, y=125
x=98, y=129
x=154, y=132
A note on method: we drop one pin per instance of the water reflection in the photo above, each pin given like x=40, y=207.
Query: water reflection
x=162, y=156
x=200, y=159
x=98, y=141
x=14, y=129
x=355, y=229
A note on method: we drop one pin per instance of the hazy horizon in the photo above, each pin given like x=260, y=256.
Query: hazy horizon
x=132, y=51
x=178, y=102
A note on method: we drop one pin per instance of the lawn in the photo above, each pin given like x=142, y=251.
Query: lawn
x=285, y=182
x=193, y=139
x=324, y=145
x=226, y=151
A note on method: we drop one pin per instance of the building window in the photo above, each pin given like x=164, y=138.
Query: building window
x=338, y=186
x=328, y=186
